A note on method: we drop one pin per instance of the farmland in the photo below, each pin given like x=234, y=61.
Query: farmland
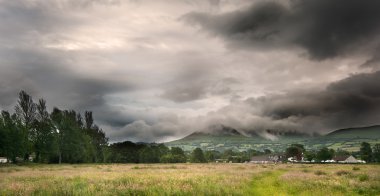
x=190, y=179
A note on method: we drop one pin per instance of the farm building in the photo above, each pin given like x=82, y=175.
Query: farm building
x=263, y=159
x=346, y=159
x=3, y=160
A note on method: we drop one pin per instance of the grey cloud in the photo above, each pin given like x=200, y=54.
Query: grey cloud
x=324, y=28
x=188, y=85
x=46, y=74
x=185, y=93
x=350, y=102
x=197, y=81
x=198, y=88
x=374, y=62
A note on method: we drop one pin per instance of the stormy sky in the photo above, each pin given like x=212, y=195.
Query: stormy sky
x=157, y=70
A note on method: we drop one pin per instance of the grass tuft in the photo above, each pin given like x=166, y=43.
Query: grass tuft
x=363, y=177
x=342, y=172
x=319, y=173
x=355, y=168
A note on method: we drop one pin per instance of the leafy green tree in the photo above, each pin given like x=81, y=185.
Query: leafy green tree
x=125, y=152
x=176, y=155
x=228, y=154
x=14, y=138
x=74, y=145
x=45, y=143
x=26, y=109
x=325, y=154
x=26, y=113
x=197, y=156
x=366, y=152
x=149, y=155
x=376, y=153
x=310, y=155
x=3, y=138
x=98, y=141
x=58, y=123
x=295, y=150
x=210, y=156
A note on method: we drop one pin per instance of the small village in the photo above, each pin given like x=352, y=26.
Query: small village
x=280, y=158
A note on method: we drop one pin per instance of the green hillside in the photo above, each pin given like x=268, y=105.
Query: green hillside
x=228, y=138
x=360, y=132
x=348, y=139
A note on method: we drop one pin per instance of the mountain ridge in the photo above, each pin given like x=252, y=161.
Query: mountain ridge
x=223, y=137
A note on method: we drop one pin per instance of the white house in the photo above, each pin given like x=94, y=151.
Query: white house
x=263, y=159
x=346, y=159
x=3, y=160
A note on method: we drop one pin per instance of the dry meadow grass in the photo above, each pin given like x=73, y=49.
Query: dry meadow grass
x=190, y=179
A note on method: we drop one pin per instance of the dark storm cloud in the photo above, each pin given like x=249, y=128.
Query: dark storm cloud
x=352, y=101
x=324, y=28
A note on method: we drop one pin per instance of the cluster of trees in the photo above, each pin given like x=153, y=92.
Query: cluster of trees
x=366, y=153
x=369, y=154
x=59, y=136
x=129, y=152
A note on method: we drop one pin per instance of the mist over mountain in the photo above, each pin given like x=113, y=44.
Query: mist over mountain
x=225, y=138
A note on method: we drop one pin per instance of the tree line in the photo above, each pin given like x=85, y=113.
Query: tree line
x=65, y=136
x=129, y=152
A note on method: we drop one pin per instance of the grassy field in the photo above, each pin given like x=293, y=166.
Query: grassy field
x=190, y=179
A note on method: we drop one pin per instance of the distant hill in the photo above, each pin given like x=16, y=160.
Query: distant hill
x=359, y=132
x=221, y=138
x=348, y=139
